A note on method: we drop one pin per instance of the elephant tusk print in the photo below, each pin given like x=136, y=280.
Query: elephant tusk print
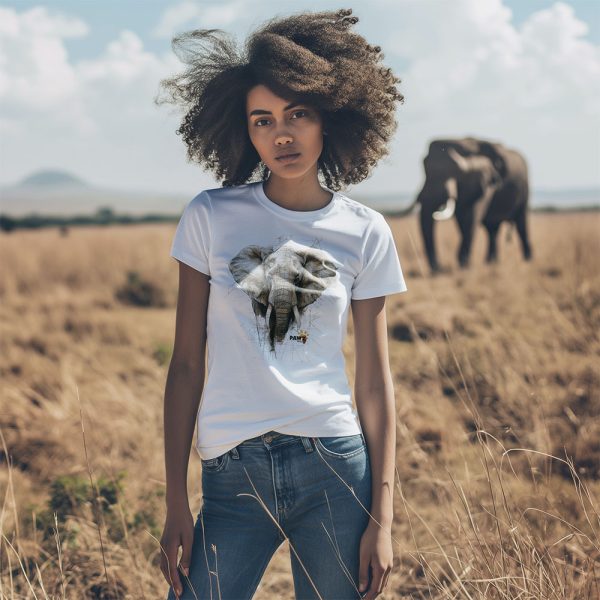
x=268, y=315
x=296, y=316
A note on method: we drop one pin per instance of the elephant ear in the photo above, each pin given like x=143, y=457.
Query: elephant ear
x=495, y=152
x=247, y=268
x=318, y=273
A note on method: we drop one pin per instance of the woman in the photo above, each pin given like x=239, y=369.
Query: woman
x=267, y=271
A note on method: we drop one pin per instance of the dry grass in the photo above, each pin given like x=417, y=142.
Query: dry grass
x=498, y=391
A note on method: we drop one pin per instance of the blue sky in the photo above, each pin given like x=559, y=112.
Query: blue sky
x=77, y=78
x=108, y=17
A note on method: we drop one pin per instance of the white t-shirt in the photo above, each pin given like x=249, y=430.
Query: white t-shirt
x=281, y=281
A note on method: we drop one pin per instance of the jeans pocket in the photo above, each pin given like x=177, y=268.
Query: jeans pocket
x=218, y=463
x=341, y=446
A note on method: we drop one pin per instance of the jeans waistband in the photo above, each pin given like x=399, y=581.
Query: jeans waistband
x=271, y=438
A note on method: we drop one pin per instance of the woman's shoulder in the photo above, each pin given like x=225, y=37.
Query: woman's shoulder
x=359, y=209
x=231, y=191
x=208, y=199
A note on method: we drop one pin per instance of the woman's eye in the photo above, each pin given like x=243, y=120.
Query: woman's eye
x=256, y=123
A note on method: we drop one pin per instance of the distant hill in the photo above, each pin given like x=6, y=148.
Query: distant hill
x=59, y=193
x=52, y=178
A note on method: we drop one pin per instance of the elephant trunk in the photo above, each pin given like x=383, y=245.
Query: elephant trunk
x=427, y=233
x=283, y=300
x=283, y=316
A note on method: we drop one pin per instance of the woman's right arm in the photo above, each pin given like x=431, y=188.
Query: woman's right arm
x=185, y=381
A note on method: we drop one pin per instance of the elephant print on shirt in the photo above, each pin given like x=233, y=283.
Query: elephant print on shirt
x=282, y=282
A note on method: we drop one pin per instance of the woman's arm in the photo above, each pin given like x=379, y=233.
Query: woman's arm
x=376, y=407
x=185, y=381
x=375, y=403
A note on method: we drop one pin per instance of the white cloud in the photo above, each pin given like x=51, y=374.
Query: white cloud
x=123, y=61
x=471, y=71
x=35, y=73
x=37, y=79
x=568, y=65
x=95, y=117
x=468, y=52
x=194, y=14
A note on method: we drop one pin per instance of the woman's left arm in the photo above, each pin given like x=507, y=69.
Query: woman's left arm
x=376, y=407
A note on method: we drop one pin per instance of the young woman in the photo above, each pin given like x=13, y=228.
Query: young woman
x=268, y=268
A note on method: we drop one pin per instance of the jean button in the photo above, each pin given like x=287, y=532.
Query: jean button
x=268, y=438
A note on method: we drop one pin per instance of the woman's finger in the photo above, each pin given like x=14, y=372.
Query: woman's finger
x=377, y=581
x=186, y=554
x=172, y=573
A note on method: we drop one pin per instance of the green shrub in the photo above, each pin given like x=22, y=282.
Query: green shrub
x=137, y=292
x=162, y=353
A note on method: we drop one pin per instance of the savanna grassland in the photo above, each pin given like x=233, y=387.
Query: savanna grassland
x=497, y=380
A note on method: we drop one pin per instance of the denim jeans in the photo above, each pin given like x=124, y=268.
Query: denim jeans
x=311, y=487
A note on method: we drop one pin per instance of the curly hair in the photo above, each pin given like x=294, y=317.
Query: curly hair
x=310, y=57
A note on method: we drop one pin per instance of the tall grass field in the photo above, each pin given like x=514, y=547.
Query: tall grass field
x=496, y=371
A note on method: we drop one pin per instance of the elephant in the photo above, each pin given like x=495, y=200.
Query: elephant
x=477, y=181
x=281, y=282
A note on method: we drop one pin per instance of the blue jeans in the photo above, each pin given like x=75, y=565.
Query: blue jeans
x=299, y=480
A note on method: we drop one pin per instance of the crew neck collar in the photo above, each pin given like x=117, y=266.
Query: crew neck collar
x=299, y=215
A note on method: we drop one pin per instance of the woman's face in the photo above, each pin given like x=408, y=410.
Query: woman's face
x=278, y=126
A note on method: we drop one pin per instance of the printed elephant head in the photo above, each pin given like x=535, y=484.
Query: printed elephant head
x=282, y=282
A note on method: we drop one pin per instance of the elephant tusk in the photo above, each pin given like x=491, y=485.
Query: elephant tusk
x=296, y=315
x=268, y=315
x=447, y=212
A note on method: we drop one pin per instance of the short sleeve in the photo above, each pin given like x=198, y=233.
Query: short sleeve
x=381, y=272
x=191, y=243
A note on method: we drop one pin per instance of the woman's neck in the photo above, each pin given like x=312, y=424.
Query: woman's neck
x=297, y=195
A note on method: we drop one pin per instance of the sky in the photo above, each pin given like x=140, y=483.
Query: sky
x=78, y=78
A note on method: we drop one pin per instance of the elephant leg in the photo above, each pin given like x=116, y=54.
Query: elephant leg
x=492, y=253
x=521, y=223
x=466, y=222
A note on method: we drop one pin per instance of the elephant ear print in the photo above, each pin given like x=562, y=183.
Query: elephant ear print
x=318, y=273
x=248, y=270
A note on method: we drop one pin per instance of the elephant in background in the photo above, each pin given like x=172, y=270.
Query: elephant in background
x=477, y=181
x=282, y=282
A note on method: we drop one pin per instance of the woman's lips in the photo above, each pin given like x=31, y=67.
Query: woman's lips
x=289, y=158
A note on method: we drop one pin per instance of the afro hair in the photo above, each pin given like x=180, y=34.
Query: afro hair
x=310, y=57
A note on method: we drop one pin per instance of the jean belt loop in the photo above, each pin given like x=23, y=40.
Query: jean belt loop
x=307, y=444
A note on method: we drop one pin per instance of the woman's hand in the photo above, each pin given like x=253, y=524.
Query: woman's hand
x=375, y=551
x=178, y=531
